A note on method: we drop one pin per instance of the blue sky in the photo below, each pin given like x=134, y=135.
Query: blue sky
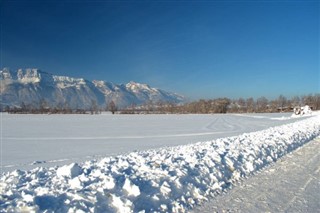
x=203, y=49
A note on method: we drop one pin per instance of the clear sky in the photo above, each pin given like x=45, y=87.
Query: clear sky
x=201, y=49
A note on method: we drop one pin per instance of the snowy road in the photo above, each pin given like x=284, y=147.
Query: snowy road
x=290, y=185
x=30, y=140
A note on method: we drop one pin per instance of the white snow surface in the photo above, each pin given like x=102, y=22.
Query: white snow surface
x=170, y=179
x=29, y=141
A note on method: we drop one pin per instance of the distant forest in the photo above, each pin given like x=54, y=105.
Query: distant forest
x=202, y=106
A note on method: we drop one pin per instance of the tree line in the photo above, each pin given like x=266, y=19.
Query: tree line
x=202, y=106
x=241, y=105
x=44, y=108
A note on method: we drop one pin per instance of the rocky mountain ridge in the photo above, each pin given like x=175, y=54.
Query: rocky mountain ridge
x=31, y=86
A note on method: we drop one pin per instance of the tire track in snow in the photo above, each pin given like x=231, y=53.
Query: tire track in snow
x=119, y=137
x=310, y=178
x=289, y=185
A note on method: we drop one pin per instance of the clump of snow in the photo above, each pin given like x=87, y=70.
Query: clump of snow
x=172, y=179
x=131, y=189
x=70, y=171
x=137, y=86
x=306, y=110
x=29, y=76
x=302, y=111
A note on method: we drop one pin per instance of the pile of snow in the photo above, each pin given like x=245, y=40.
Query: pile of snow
x=306, y=110
x=172, y=179
x=302, y=111
x=71, y=171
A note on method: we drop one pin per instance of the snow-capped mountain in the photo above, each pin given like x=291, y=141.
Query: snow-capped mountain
x=31, y=86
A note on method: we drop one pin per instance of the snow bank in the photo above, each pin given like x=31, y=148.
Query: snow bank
x=172, y=179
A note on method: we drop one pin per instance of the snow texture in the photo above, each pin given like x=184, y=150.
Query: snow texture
x=31, y=141
x=290, y=185
x=173, y=179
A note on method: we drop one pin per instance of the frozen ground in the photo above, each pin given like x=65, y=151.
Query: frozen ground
x=290, y=185
x=171, y=179
x=31, y=140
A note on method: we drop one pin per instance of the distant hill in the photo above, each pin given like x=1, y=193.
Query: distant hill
x=33, y=86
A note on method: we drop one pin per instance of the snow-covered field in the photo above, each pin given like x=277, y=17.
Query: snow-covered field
x=167, y=178
x=29, y=141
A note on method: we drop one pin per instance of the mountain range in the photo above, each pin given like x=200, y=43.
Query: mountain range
x=31, y=86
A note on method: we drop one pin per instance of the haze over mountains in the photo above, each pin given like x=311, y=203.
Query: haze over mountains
x=31, y=86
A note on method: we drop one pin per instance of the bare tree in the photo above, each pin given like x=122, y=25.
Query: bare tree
x=308, y=100
x=66, y=108
x=242, y=105
x=222, y=105
x=234, y=106
x=250, y=105
x=317, y=101
x=203, y=106
x=23, y=107
x=262, y=104
x=112, y=107
x=94, y=107
x=44, y=107
x=296, y=101
x=282, y=101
